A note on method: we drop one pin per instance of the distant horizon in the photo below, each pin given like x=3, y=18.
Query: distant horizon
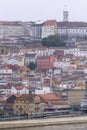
x=34, y=10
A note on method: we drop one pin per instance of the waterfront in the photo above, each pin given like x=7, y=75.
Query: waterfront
x=82, y=126
x=70, y=123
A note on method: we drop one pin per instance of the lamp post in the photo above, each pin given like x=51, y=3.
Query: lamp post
x=86, y=89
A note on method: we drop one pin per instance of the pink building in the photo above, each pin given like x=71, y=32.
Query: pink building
x=45, y=62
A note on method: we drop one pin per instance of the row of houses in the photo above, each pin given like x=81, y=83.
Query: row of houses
x=54, y=67
x=25, y=104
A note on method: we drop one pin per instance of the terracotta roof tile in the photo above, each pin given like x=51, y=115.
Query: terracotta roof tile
x=50, y=23
x=49, y=97
x=2, y=99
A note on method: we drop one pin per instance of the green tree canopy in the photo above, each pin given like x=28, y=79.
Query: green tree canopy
x=32, y=65
x=52, y=41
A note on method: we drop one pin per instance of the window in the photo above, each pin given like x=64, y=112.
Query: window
x=64, y=96
x=16, y=106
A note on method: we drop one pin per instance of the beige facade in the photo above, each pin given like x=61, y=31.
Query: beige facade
x=25, y=106
x=73, y=96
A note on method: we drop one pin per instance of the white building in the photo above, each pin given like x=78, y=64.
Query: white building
x=19, y=90
x=76, y=52
x=8, y=28
x=44, y=52
x=72, y=29
x=5, y=90
x=49, y=28
x=30, y=58
x=5, y=71
x=61, y=64
x=43, y=90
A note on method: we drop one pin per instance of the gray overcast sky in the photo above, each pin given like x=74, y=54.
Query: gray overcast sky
x=33, y=10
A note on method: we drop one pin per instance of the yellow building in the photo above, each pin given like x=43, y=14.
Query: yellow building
x=27, y=104
x=20, y=61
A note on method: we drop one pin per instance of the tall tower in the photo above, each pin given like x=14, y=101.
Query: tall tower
x=65, y=15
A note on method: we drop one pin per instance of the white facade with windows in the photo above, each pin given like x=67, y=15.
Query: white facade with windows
x=11, y=29
x=49, y=28
x=76, y=52
x=61, y=64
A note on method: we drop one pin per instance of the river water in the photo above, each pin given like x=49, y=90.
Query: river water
x=56, y=127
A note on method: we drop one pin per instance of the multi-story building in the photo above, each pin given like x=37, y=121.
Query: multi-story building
x=65, y=29
x=8, y=28
x=45, y=62
x=73, y=96
x=71, y=29
x=76, y=52
x=61, y=64
x=47, y=81
x=9, y=101
x=37, y=31
x=30, y=58
x=49, y=28
x=27, y=104
x=11, y=44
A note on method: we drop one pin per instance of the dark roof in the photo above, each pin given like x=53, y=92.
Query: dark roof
x=14, y=23
x=30, y=55
x=26, y=97
x=72, y=24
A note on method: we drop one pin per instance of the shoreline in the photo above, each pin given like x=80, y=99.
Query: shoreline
x=42, y=122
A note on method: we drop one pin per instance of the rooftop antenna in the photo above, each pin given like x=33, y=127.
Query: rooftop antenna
x=65, y=8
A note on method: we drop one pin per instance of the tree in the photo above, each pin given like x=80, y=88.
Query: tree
x=52, y=41
x=32, y=65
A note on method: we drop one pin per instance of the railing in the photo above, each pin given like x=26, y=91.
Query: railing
x=56, y=114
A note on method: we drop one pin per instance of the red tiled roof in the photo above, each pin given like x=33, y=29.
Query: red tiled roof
x=19, y=88
x=2, y=99
x=49, y=97
x=50, y=23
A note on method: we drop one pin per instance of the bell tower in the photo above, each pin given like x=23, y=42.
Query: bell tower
x=65, y=15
